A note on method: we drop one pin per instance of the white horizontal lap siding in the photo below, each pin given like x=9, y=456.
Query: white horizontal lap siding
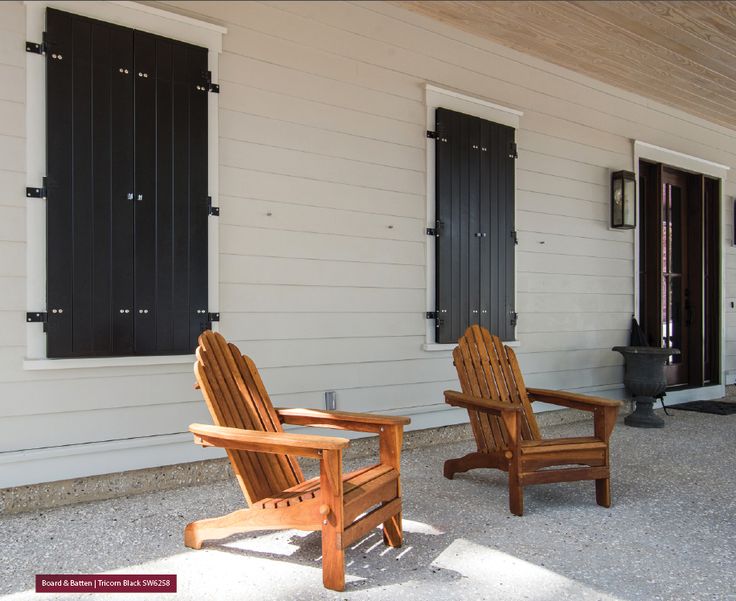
x=322, y=190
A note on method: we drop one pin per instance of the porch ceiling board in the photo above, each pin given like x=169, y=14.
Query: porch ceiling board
x=679, y=53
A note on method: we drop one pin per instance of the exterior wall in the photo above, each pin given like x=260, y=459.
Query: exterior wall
x=323, y=210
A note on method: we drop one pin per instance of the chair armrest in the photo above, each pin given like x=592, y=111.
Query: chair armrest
x=571, y=399
x=340, y=420
x=459, y=399
x=279, y=443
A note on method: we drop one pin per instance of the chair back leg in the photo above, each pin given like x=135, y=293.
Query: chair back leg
x=390, y=439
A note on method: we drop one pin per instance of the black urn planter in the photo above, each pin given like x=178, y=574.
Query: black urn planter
x=644, y=379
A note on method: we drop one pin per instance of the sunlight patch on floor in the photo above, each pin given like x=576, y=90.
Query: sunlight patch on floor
x=420, y=528
x=511, y=577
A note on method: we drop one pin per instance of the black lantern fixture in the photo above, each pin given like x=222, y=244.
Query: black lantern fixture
x=623, y=200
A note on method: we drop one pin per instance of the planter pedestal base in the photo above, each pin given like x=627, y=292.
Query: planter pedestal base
x=643, y=416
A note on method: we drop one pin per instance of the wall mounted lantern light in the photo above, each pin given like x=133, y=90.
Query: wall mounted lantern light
x=623, y=200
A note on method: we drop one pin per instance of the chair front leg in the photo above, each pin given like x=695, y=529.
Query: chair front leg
x=512, y=421
x=604, y=421
x=333, y=522
x=390, y=439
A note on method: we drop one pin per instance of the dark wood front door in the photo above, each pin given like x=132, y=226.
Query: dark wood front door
x=678, y=264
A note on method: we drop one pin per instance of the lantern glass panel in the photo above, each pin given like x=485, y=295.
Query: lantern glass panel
x=618, y=202
x=629, y=215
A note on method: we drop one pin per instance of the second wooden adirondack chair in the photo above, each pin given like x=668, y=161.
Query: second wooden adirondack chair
x=263, y=458
x=506, y=432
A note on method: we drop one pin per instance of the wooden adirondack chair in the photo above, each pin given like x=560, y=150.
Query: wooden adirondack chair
x=263, y=458
x=506, y=431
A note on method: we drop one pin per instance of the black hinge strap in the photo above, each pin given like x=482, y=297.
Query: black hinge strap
x=38, y=317
x=435, y=315
x=212, y=87
x=214, y=211
x=213, y=317
x=433, y=135
x=513, y=153
x=514, y=318
x=37, y=192
x=515, y=236
x=436, y=230
x=36, y=48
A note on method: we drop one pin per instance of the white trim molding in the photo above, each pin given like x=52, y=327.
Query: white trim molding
x=435, y=97
x=144, y=18
x=687, y=162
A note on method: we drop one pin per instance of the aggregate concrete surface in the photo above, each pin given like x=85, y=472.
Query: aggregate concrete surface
x=670, y=535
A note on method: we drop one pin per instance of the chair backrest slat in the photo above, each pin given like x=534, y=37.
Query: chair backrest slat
x=237, y=398
x=488, y=369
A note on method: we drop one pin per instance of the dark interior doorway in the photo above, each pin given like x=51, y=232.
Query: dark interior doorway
x=679, y=267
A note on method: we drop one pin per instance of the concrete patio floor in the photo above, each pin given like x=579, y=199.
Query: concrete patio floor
x=671, y=533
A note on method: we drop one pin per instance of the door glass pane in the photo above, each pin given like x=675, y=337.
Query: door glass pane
x=672, y=263
x=674, y=308
x=675, y=227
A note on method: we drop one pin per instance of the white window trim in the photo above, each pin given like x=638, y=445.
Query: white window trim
x=437, y=96
x=144, y=18
x=686, y=162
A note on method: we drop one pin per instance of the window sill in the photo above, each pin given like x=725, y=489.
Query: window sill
x=433, y=346
x=92, y=362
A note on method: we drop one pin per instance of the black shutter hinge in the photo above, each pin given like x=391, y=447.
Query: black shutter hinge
x=214, y=211
x=212, y=87
x=515, y=236
x=436, y=230
x=435, y=315
x=36, y=48
x=433, y=135
x=514, y=318
x=513, y=152
x=210, y=318
x=37, y=192
x=38, y=317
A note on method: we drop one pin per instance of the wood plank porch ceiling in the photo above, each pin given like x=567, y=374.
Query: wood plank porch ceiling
x=681, y=53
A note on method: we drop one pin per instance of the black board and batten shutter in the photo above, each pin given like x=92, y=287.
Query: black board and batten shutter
x=126, y=190
x=475, y=231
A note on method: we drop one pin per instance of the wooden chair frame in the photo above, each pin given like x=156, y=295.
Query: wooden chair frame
x=506, y=431
x=271, y=479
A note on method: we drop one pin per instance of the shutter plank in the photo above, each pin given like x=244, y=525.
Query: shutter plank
x=59, y=209
x=486, y=265
x=198, y=214
x=82, y=208
x=443, y=214
x=506, y=226
x=164, y=198
x=474, y=226
x=122, y=183
x=180, y=184
x=102, y=73
x=462, y=249
x=145, y=185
